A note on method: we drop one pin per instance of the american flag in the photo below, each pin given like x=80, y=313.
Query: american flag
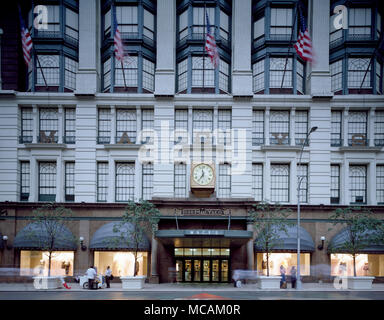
x=26, y=41
x=119, y=49
x=303, y=45
x=210, y=45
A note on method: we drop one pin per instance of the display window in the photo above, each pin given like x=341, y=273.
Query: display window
x=366, y=265
x=288, y=260
x=121, y=262
x=34, y=263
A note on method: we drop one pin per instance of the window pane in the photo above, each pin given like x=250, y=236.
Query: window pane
x=335, y=184
x=71, y=67
x=258, y=128
x=258, y=75
x=24, y=180
x=47, y=181
x=336, y=69
x=181, y=126
x=202, y=125
x=126, y=129
x=71, y=24
x=147, y=180
x=257, y=181
x=69, y=181
x=277, y=67
x=357, y=128
x=224, y=180
x=279, y=127
x=302, y=173
x=125, y=181
x=357, y=70
x=279, y=182
x=336, y=128
x=104, y=126
x=380, y=184
x=180, y=183
x=358, y=184
x=51, y=69
x=301, y=127
x=102, y=181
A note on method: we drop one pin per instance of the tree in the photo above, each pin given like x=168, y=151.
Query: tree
x=137, y=220
x=270, y=221
x=361, y=229
x=49, y=229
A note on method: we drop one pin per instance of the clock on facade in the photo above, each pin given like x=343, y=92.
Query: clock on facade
x=202, y=179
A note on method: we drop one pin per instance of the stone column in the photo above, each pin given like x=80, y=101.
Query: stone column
x=154, y=278
x=250, y=251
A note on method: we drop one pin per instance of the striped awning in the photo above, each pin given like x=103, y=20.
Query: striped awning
x=288, y=241
x=106, y=239
x=36, y=237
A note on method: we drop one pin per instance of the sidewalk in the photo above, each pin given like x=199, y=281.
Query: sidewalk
x=185, y=287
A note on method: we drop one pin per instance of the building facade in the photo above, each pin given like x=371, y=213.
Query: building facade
x=79, y=128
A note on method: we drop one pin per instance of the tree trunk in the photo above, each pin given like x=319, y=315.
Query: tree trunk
x=354, y=265
x=49, y=263
x=134, y=267
x=267, y=264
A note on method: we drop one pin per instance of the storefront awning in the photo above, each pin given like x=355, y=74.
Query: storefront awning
x=106, y=239
x=35, y=237
x=336, y=244
x=288, y=241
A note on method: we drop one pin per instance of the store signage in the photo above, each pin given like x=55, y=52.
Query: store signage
x=203, y=212
x=204, y=232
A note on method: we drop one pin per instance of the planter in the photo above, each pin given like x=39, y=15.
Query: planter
x=130, y=283
x=272, y=282
x=45, y=282
x=358, y=283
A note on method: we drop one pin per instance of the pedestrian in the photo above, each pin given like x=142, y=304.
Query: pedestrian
x=293, y=277
x=283, y=282
x=108, y=274
x=91, y=274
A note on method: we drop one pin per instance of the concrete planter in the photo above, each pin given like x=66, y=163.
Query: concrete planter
x=131, y=283
x=272, y=282
x=358, y=283
x=46, y=283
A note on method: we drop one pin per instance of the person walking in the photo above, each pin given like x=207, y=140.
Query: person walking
x=91, y=274
x=283, y=282
x=108, y=274
x=293, y=277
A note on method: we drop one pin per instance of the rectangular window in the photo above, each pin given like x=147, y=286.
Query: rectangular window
x=50, y=66
x=47, y=181
x=183, y=25
x=69, y=181
x=379, y=77
x=336, y=69
x=107, y=74
x=181, y=126
x=378, y=25
x=26, y=126
x=49, y=125
x=182, y=74
x=280, y=182
x=125, y=181
x=69, y=125
x=127, y=19
x=359, y=26
x=258, y=76
x=281, y=23
x=199, y=27
x=301, y=127
x=224, y=180
x=359, y=69
x=53, y=16
x=104, y=126
x=276, y=68
x=224, y=25
x=300, y=76
x=24, y=180
x=148, y=75
x=224, y=76
x=203, y=72
x=149, y=25
x=258, y=29
x=147, y=176
x=358, y=184
x=130, y=72
x=257, y=181
x=258, y=128
x=180, y=183
x=302, y=173
x=70, y=71
x=202, y=126
x=380, y=184
x=224, y=127
x=336, y=123
x=126, y=123
x=335, y=184
x=379, y=128
x=357, y=128
x=102, y=181
x=147, y=125
x=279, y=127
x=72, y=24
x=107, y=23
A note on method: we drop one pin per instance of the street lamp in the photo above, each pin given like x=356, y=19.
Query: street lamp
x=300, y=179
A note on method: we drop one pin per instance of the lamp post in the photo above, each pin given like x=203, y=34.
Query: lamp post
x=299, y=180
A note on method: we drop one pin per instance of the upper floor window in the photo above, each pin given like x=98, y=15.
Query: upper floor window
x=199, y=26
x=125, y=181
x=258, y=31
x=357, y=128
x=102, y=181
x=279, y=182
x=258, y=76
x=147, y=126
x=147, y=180
x=379, y=128
x=126, y=126
x=202, y=126
x=69, y=181
x=48, y=125
x=181, y=126
x=276, y=73
x=281, y=23
x=378, y=25
x=258, y=127
x=24, y=180
x=358, y=184
x=336, y=140
x=183, y=24
x=336, y=69
x=359, y=26
x=224, y=188
x=302, y=173
x=47, y=181
x=104, y=125
x=180, y=180
x=69, y=125
x=72, y=24
x=301, y=127
x=224, y=127
x=257, y=181
x=335, y=184
x=26, y=134
x=279, y=127
x=127, y=20
x=359, y=73
x=380, y=184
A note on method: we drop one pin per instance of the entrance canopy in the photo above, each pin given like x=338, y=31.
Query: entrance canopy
x=288, y=241
x=203, y=237
x=36, y=237
x=337, y=243
x=106, y=239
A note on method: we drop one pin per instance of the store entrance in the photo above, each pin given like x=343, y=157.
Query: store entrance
x=213, y=268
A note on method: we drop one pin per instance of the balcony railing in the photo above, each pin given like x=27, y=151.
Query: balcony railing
x=336, y=142
x=25, y=139
x=43, y=138
x=358, y=142
x=279, y=141
x=69, y=139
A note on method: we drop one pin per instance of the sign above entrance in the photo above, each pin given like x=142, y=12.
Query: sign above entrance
x=203, y=212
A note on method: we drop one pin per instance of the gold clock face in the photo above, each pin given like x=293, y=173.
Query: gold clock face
x=203, y=174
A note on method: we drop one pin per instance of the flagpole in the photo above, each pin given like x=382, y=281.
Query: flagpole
x=41, y=69
x=289, y=47
x=122, y=67
x=204, y=38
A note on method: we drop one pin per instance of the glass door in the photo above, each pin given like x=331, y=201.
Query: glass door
x=215, y=270
x=206, y=270
x=224, y=271
x=196, y=270
x=179, y=270
x=188, y=271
